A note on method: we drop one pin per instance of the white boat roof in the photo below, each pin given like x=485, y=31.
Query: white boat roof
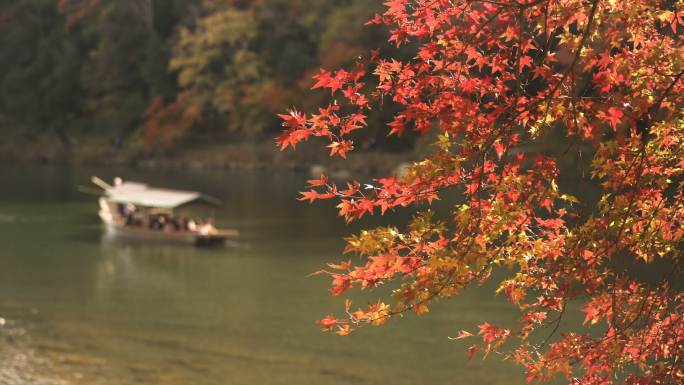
x=141, y=194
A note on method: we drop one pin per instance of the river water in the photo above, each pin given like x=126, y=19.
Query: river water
x=79, y=308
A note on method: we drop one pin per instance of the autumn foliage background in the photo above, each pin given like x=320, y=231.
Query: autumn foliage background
x=515, y=95
x=155, y=77
x=494, y=80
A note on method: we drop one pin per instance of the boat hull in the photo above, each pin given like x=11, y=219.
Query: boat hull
x=177, y=237
x=116, y=227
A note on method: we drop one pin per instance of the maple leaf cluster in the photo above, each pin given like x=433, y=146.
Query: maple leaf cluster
x=493, y=78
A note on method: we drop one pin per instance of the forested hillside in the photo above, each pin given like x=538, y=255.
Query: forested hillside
x=158, y=74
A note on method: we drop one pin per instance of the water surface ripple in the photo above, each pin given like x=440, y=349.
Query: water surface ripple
x=84, y=309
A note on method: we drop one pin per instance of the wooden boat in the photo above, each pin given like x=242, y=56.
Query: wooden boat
x=137, y=211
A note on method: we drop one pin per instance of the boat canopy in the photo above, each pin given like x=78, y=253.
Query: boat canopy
x=140, y=194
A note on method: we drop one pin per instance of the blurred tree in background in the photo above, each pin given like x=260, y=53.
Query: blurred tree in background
x=40, y=64
x=164, y=72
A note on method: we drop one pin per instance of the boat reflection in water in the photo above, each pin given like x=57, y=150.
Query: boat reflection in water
x=136, y=211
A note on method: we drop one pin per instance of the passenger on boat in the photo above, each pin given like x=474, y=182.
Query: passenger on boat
x=192, y=226
x=207, y=228
x=157, y=222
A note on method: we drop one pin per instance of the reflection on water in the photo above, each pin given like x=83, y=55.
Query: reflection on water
x=85, y=309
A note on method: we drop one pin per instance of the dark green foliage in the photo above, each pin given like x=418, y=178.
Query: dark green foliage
x=112, y=69
x=40, y=65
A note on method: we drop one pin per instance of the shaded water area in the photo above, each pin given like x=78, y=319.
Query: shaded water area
x=83, y=309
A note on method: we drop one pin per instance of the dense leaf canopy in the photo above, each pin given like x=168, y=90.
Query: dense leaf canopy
x=159, y=71
x=494, y=79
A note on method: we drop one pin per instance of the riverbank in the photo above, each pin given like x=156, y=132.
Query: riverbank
x=262, y=154
x=255, y=155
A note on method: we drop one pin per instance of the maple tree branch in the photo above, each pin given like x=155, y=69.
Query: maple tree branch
x=555, y=328
x=499, y=216
x=578, y=54
x=449, y=278
x=517, y=4
x=644, y=123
